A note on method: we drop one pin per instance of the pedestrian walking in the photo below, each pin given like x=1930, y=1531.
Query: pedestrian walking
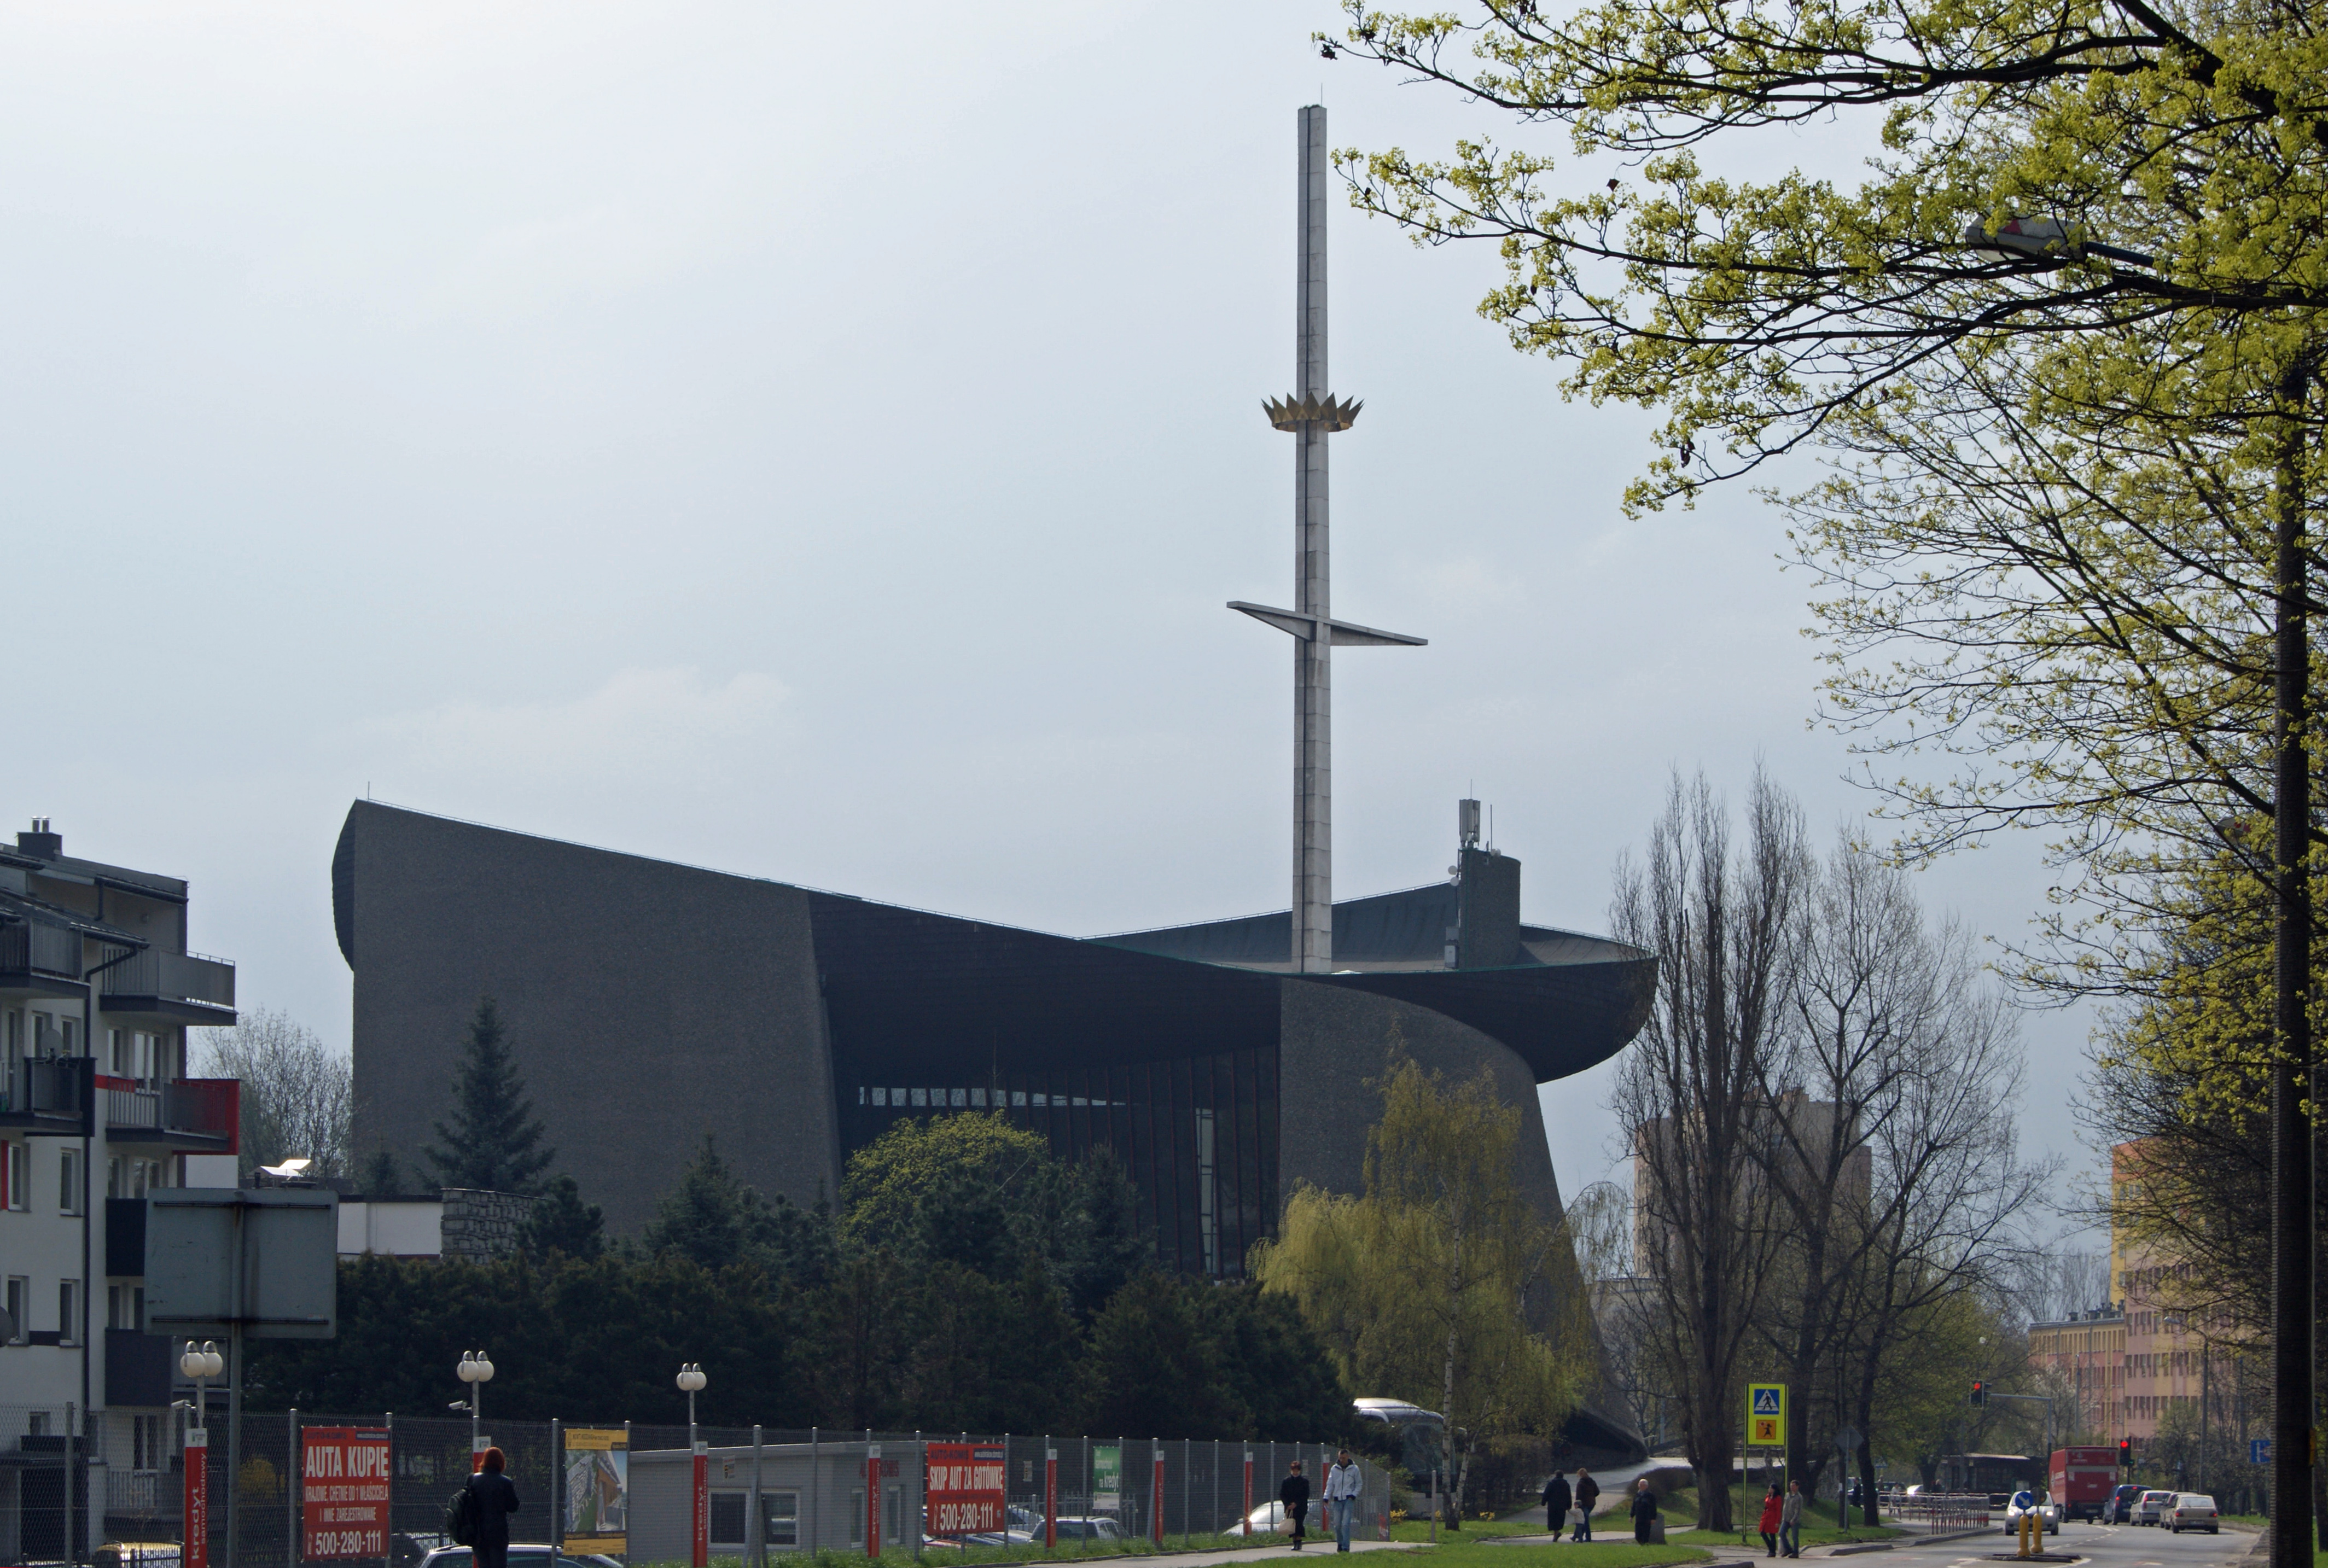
x=1790, y=1520
x=496, y=1500
x=1773, y=1507
x=1644, y=1512
x=1555, y=1505
x=1343, y=1484
x=1293, y=1497
x=1588, y=1492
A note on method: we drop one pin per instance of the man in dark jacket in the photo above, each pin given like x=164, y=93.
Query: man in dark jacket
x=496, y=1500
x=1555, y=1505
x=1588, y=1492
x=1292, y=1495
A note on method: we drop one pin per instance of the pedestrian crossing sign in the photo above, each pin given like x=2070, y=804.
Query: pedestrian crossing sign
x=1766, y=1415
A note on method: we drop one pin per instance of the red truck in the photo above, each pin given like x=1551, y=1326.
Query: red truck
x=2081, y=1480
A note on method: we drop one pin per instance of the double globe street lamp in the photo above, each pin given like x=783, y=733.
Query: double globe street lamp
x=690, y=1381
x=477, y=1370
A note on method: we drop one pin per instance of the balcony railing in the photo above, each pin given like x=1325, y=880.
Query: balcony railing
x=206, y=1109
x=176, y=976
x=27, y=948
x=45, y=1086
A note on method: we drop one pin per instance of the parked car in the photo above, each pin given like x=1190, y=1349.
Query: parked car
x=1269, y=1518
x=2194, y=1511
x=1020, y=1527
x=2119, y=1509
x=2025, y=1501
x=1092, y=1529
x=136, y=1554
x=2151, y=1506
x=522, y=1555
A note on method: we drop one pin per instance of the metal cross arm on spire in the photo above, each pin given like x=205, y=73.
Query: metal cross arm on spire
x=1341, y=634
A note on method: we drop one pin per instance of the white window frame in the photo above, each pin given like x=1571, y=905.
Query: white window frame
x=72, y=1181
x=17, y=1178
x=68, y=1312
x=773, y=1518
x=17, y=1295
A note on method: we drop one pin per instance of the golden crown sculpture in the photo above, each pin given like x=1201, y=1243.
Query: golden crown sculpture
x=1292, y=413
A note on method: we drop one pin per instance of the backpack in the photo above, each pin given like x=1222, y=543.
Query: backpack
x=460, y=1517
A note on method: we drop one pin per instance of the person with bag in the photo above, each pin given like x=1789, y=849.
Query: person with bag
x=1555, y=1505
x=1343, y=1484
x=1771, y=1508
x=1588, y=1492
x=1293, y=1497
x=1645, y=1512
x=1790, y=1522
x=491, y=1499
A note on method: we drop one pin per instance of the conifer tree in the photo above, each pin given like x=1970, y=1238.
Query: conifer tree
x=494, y=1140
x=562, y=1223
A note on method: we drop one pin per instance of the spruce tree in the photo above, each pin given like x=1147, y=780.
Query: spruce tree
x=492, y=1142
x=562, y=1223
x=382, y=1176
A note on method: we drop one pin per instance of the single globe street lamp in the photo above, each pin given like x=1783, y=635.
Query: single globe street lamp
x=477, y=1370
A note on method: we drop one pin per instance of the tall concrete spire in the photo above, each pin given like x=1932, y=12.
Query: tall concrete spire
x=1311, y=414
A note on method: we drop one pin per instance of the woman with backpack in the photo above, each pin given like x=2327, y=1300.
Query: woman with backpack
x=489, y=1499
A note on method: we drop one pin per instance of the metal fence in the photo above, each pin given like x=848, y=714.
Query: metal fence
x=1940, y=1513
x=137, y=1478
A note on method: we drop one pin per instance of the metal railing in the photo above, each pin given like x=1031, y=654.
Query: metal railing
x=202, y=1107
x=35, y=949
x=1942, y=1513
x=43, y=1086
x=180, y=976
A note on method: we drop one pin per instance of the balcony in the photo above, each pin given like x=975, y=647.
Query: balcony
x=48, y=1096
x=38, y=960
x=169, y=987
x=191, y=1115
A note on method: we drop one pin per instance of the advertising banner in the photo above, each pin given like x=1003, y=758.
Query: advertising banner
x=197, y=1516
x=1107, y=1479
x=598, y=1490
x=964, y=1487
x=343, y=1492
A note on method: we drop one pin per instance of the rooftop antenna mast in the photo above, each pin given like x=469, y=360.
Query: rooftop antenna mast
x=1311, y=414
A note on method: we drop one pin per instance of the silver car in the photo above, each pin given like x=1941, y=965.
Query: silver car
x=2149, y=1509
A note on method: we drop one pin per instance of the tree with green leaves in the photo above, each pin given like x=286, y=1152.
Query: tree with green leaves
x=1438, y=1284
x=494, y=1140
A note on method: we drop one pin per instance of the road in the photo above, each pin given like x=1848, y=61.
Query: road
x=2103, y=1545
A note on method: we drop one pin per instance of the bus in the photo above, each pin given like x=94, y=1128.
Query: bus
x=1997, y=1475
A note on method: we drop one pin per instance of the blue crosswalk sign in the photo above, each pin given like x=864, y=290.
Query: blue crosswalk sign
x=1766, y=1401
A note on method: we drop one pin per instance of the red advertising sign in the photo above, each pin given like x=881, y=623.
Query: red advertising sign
x=344, y=1492
x=964, y=1487
x=197, y=1520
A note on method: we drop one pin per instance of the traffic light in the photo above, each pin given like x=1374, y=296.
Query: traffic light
x=1979, y=1392
x=2126, y=1453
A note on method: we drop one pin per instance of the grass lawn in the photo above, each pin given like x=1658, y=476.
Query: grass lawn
x=1474, y=1547
x=1819, y=1528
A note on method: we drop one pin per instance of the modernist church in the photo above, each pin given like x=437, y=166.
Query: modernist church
x=649, y=1004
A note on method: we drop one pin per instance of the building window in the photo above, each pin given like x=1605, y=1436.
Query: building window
x=68, y=1311
x=69, y=1185
x=779, y=1519
x=727, y=1516
x=857, y=1517
x=16, y=1177
x=17, y=1297
x=124, y=1307
x=146, y=1438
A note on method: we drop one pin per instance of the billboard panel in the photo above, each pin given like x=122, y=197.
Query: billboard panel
x=343, y=1492
x=964, y=1487
x=598, y=1492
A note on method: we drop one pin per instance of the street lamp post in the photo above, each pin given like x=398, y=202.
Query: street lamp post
x=201, y=1364
x=691, y=1380
x=477, y=1370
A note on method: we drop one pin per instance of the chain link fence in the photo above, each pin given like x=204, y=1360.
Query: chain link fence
x=123, y=1475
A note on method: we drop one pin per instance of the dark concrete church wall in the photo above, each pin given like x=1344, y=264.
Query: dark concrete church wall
x=646, y=1005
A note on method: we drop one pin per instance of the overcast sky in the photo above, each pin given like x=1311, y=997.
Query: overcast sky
x=818, y=442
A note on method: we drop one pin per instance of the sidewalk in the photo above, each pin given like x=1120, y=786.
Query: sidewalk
x=1259, y=1553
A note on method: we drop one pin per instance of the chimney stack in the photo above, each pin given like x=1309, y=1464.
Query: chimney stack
x=41, y=841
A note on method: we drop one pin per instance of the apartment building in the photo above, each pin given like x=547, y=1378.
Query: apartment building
x=2087, y=1351
x=97, y=991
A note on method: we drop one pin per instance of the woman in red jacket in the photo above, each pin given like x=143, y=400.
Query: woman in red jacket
x=1772, y=1507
